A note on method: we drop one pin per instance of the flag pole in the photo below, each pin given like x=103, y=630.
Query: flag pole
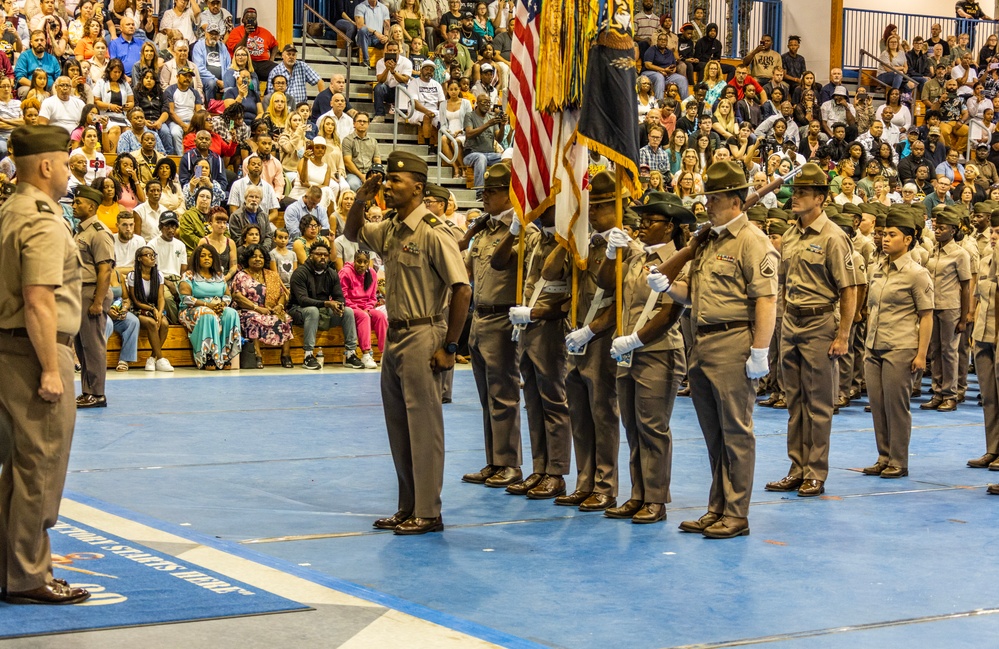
x=573, y=307
x=520, y=263
x=618, y=263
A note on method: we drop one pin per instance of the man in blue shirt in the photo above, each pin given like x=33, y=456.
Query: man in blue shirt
x=308, y=204
x=128, y=46
x=31, y=60
x=659, y=65
x=372, y=19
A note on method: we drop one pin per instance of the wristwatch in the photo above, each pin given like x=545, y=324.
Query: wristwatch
x=451, y=348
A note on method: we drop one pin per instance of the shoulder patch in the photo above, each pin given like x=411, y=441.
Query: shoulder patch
x=768, y=267
x=433, y=221
x=42, y=206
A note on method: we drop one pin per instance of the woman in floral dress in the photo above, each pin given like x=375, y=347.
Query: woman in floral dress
x=261, y=296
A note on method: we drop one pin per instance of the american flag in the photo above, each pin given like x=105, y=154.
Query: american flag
x=532, y=142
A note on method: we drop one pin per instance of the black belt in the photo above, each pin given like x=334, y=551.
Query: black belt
x=722, y=326
x=807, y=311
x=21, y=332
x=493, y=309
x=416, y=322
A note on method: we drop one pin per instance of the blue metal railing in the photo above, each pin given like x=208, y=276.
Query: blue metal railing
x=741, y=24
x=863, y=29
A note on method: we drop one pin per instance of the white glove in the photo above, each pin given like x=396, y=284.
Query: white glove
x=576, y=339
x=757, y=365
x=658, y=282
x=515, y=226
x=616, y=238
x=624, y=344
x=520, y=315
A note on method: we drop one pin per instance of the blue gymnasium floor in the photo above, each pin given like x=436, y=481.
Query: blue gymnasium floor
x=301, y=475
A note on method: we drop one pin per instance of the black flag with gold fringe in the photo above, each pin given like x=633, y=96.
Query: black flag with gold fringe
x=608, y=121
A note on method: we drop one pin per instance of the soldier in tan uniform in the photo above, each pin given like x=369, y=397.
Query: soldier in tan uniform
x=422, y=268
x=818, y=271
x=590, y=385
x=539, y=325
x=776, y=228
x=97, y=252
x=732, y=288
x=984, y=335
x=649, y=355
x=847, y=222
x=39, y=315
x=950, y=267
x=493, y=350
x=900, y=302
x=435, y=199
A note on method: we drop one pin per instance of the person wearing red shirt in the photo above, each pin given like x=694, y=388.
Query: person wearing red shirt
x=743, y=79
x=260, y=42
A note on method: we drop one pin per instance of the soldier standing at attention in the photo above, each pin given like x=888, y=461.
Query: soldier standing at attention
x=984, y=335
x=422, y=267
x=97, y=252
x=494, y=353
x=950, y=268
x=900, y=303
x=39, y=315
x=818, y=270
x=650, y=355
x=539, y=323
x=732, y=288
x=591, y=385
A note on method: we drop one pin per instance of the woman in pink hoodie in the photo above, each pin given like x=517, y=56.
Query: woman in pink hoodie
x=360, y=287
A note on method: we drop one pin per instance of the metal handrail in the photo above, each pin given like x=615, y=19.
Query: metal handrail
x=977, y=121
x=329, y=25
x=399, y=112
x=864, y=52
x=440, y=152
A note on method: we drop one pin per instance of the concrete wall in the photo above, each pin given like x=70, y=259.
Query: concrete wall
x=812, y=21
x=924, y=7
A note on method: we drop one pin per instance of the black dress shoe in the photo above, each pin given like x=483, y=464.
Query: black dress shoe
x=650, y=513
x=894, y=472
x=700, y=524
x=994, y=466
x=574, y=499
x=811, y=488
x=932, y=404
x=843, y=402
x=393, y=521
x=770, y=401
x=598, y=503
x=415, y=525
x=947, y=405
x=780, y=404
x=480, y=476
x=787, y=483
x=521, y=488
x=684, y=392
x=867, y=408
x=505, y=477
x=727, y=527
x=55, y=592
x=549, y=487
x=983, y=462
x=875, y=469
x=993, y=489
x=627, y=510
x=91, y=401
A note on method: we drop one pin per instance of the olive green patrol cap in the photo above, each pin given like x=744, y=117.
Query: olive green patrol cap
x=85, y=191
x=32, y=140
x=404, y=161
x=436, y=191
x=757, y=213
